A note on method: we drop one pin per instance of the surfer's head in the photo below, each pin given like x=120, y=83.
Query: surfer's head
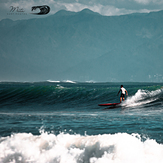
x=121, y=86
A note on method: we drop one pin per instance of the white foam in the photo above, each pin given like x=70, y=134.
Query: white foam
x=66, y=148
x=68, y=81
x=90, y=81
x=59, y=86
x=53, y=81
x=141, y=97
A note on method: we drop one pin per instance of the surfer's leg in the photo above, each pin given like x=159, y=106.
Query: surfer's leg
x=120, y=99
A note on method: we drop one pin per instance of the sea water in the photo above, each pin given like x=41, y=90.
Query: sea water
x=61, y=122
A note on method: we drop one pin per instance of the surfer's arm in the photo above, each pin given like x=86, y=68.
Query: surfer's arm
x=126, y=92
x=118, y=92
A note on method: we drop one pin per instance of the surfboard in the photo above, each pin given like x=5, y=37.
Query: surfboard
x=109, y=104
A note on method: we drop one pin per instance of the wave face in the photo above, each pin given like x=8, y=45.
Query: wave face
x=52, y=93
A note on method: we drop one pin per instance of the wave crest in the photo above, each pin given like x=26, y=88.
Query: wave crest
x=142, y=97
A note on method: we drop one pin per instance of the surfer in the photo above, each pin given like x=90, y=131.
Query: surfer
x=123, y=91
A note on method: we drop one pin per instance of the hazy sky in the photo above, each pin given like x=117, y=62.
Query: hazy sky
x=104, y=7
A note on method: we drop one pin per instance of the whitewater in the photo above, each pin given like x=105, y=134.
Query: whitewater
x=61, y=122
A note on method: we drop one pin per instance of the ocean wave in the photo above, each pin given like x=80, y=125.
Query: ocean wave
x=143, y=97
x=53, y=81
x=66, y=148
x=90, y=81
x=67, y=94
x=69, y=81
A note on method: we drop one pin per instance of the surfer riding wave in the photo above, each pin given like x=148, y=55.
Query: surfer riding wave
x=123, y=91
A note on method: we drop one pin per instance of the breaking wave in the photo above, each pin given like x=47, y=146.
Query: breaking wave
x=70, y=93
x=142, y=97
x=66, y=148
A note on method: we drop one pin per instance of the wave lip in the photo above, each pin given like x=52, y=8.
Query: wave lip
x=64, y=148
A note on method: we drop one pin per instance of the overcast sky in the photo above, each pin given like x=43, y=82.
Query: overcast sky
x=104, y=7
